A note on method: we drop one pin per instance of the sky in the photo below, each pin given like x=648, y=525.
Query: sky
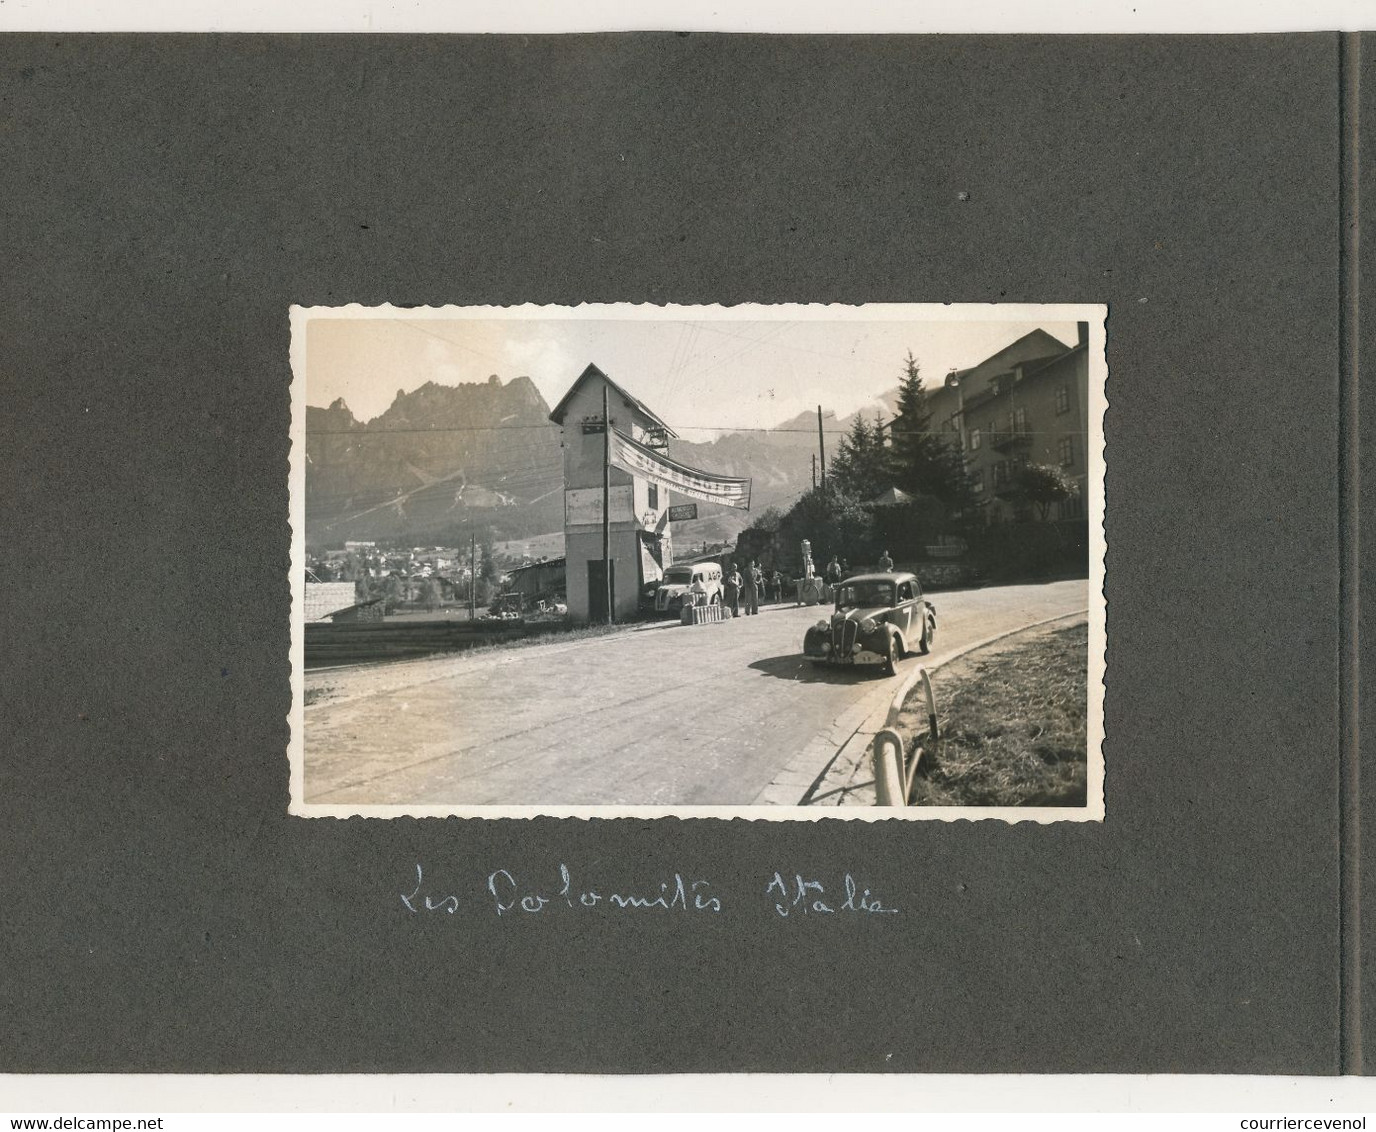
x=702, y=375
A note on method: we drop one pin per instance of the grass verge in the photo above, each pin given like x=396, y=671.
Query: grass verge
x=1012, y=720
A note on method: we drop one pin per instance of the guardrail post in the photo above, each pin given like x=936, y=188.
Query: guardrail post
x=933, y=735
x=888, y=769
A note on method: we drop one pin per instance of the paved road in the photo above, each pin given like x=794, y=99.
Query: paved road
x=658, y=716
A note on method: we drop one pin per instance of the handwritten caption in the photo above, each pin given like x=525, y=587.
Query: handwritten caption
x=780, y=895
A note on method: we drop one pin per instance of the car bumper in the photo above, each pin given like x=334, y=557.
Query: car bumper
x=858, y=657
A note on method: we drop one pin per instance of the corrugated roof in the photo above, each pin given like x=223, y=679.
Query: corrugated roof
x=548, y=562
x=557, y=413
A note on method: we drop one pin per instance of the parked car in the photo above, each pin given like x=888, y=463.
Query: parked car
x=878, y=618
x=678, y=580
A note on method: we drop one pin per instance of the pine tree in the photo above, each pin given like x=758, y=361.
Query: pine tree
x=922, y=462
x=852, y=466
x=862, y=465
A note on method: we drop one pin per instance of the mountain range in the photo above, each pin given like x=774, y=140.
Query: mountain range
x=446, y=461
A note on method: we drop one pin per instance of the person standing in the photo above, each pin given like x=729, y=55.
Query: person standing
x=752, y=589
x=885, y=562
x=776, y=587
x=731, y=584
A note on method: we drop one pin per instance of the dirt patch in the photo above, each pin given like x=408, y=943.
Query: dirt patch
x=1012, y=721
x=318, y=695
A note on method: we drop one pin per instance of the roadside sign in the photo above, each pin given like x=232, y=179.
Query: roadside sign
x=683, y=511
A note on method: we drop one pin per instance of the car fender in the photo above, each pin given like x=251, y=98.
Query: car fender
x=902, y=640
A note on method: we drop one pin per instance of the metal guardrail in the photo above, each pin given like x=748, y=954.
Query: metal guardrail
x=895, y=772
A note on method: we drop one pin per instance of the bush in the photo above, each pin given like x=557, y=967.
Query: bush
x=1027, y=551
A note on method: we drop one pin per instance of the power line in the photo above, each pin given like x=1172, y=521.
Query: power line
x=365, y=433
x=362, y=433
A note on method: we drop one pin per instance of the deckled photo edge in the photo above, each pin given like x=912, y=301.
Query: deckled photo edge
x=1096, y=316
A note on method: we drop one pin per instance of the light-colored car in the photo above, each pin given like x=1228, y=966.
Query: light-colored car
x=678, y=581
x=878, y=618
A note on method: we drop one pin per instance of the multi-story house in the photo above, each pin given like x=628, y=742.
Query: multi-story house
x=639, y=542
x=1026, y=404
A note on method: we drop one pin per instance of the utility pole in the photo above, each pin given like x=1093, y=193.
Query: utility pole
x=472, y=576
x=607, y=496
x=821, y=449
x=814, y=470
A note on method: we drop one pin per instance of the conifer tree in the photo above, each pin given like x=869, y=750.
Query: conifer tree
x=923, y=462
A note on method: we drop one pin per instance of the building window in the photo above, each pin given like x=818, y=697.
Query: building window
x=1063, y=399
x=1066, y=450
x=974, y=440
x=654, y=497
x=977, y=481
x=1019, y=420
x=1000, y=474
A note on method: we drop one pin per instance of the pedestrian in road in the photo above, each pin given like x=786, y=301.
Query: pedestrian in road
x=833, y=571
x=885, y=562
x=776, y=587
x=752, y=589
x=731, y=585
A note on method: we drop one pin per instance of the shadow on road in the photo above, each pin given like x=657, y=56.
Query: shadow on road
x=795, y=667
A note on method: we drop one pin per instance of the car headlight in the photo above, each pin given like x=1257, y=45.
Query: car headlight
x=826, y=646
x=868, y=625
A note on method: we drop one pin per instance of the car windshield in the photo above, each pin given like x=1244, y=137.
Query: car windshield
x=859, y=595
x=676, y=576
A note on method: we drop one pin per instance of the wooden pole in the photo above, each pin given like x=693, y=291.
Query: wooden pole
x=821, y=449
x=607, y=497
x=472, y=576
x=814, y=469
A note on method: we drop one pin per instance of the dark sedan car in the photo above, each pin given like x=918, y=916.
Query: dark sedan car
x=878, y=618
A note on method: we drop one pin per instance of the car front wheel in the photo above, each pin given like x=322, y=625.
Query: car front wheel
x=891, y=656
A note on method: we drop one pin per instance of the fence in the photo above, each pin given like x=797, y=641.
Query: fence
x=894, y=772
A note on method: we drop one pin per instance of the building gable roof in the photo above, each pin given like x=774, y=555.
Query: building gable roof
x=1037, y=345
x=559, y=410
x=1045, y=365
x=1033, y=350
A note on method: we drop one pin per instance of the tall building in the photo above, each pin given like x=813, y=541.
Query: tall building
x=640, y=544
x=1026, y=404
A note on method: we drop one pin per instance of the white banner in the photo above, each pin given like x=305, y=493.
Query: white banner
x=583, y=506
x=650, y=465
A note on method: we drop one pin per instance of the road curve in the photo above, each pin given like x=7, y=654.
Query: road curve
x=660, y=715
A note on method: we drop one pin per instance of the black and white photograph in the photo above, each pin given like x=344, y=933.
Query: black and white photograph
x=794, y=562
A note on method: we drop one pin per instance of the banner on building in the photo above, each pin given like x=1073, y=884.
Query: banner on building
x=650, y=465
x=583, y=506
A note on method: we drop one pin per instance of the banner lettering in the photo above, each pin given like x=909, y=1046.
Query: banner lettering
x=649, y=465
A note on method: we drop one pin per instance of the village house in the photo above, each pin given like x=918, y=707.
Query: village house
x=640, y=545
x=1026, y=404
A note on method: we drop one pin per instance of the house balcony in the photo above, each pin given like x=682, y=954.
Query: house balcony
x=1007, y=440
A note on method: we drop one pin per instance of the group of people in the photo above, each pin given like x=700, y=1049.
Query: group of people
x=747, y=588
x=738, y=588
x=838, y=569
